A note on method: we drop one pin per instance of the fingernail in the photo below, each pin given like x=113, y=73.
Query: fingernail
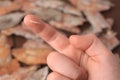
x=33, y=23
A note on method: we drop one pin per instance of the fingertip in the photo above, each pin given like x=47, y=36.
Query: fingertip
x=77, y=41
x=74, y=39
x=51, y=57
x=27, y=18
x=34, y=23
x=26, y=21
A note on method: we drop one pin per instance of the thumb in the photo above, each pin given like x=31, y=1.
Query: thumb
x=90, y=44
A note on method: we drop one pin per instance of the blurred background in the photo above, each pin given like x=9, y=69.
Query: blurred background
x=115, y=13
x=22, y=53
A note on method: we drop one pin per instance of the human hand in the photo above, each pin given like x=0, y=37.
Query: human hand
x=77, y=58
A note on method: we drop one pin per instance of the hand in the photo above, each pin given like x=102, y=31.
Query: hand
x=77, y=58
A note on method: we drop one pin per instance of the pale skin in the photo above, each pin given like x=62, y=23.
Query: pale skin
x=77, y=57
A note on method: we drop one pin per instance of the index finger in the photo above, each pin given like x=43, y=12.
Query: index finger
x=57, y=40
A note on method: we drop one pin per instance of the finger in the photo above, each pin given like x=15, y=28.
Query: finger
x=57, y=76
x=63, y=65
x=90, y=44
x=57, y=40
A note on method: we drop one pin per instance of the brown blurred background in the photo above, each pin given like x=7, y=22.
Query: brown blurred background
x=115, y=14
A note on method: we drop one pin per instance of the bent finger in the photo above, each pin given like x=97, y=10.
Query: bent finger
x=63, y=65
x=90, y=44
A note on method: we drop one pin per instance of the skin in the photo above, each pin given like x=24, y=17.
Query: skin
x=77, y=57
